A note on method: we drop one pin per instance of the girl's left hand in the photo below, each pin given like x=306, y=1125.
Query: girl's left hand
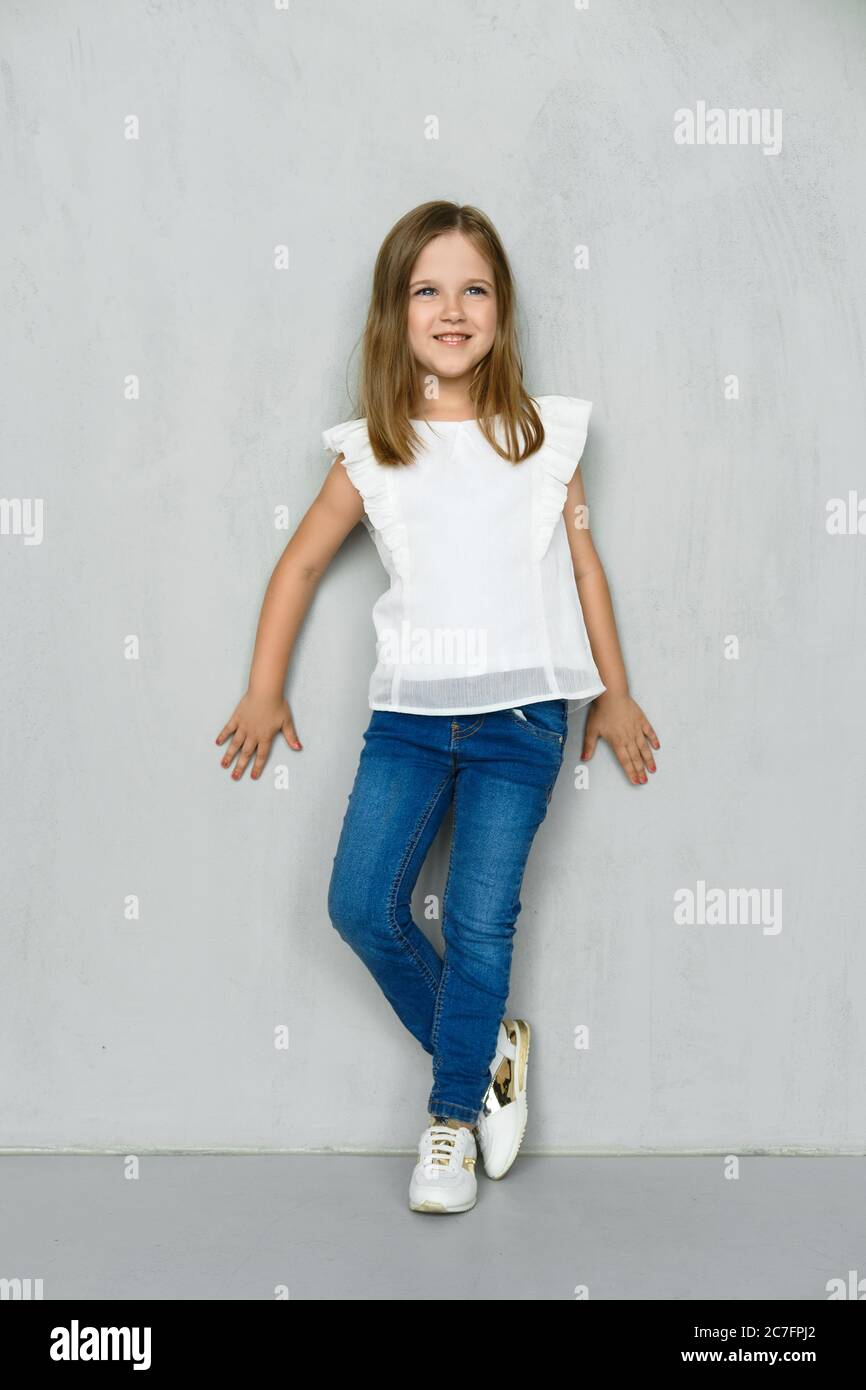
x=620, y=720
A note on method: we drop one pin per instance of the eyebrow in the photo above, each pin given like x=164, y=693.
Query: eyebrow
x=473, y=280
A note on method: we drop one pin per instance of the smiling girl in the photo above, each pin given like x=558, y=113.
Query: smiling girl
x=496, y=618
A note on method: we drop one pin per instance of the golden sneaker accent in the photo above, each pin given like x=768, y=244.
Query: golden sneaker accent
x=503, y=1115
x=444, y=1179
x=508, y=1078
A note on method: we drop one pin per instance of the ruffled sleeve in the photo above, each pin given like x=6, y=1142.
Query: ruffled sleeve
x=373, y=481
x=566, y=424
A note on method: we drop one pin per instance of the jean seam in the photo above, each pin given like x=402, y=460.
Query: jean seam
x=558, y=771
x=466, y=733
x=440, y=994
x=398, y=879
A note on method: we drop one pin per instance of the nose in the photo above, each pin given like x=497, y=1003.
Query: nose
x=451, y=308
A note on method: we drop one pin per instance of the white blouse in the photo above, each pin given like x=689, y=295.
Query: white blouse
x=482, y=612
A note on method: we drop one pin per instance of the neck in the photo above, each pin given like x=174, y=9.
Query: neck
x=452, y=402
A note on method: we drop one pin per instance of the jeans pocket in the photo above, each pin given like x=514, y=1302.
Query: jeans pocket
x=544, y=719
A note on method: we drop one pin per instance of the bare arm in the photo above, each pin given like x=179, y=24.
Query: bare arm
x=614, y=715
x=263, y=711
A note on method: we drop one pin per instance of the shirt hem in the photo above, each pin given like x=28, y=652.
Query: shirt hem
x=585, y=695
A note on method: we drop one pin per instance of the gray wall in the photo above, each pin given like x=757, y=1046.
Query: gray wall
x=154, y=258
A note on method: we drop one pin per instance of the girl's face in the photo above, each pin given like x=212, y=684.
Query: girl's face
x=452, y=308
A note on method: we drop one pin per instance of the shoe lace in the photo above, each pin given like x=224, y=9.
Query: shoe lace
x=442, y=1144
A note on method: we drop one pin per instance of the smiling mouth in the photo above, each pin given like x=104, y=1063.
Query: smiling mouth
x=452, y=339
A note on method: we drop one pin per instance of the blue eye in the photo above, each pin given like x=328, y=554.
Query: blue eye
x=429, y=289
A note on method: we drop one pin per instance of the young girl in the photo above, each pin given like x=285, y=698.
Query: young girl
x=497, y=615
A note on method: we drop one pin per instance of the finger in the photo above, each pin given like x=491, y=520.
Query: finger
x=622, y=752
x=231, y=751
x=651, y=734
x=248, y=749
x=289, y=734
x=590, y=739
x=637, y=761
x=261, y=759
x=226, y=730
x=647, y=755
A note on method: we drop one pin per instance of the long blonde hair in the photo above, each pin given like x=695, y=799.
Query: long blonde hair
x=388, y=369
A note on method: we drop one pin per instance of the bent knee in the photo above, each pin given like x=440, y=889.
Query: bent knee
x=355, y=913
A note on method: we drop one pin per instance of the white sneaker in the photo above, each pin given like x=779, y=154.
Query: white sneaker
x=502, y=1121
x=444, y=1176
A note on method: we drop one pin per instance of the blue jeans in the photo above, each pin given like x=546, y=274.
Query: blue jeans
x=499, y=769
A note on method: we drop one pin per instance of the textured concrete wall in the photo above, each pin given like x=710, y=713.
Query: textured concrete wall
x=165, y=386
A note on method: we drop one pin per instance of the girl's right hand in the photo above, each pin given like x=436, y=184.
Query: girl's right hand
x=254, y=724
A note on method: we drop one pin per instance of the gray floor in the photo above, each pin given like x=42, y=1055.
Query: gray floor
x=339, y=1227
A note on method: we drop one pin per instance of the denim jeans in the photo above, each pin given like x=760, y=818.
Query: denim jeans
x=499, y=769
